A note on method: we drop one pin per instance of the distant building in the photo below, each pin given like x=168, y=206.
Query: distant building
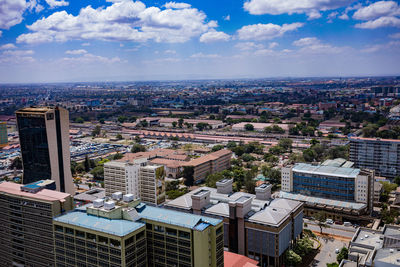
x=209, y=164
x=44, y=139
x=152, y=184
x=3, y=134
x=333, y=186
x=124, y=232
x=26, y=215
x=381, y=155
x=256, y=226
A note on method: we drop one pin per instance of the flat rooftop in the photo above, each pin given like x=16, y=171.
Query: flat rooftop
x=114, y=227
x=44, y=194
x=369, y=237
x=322, y=201
x=326, y=170
x=172, y=217
x=390, y=257
x=91, y=195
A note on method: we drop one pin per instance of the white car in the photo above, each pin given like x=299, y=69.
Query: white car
x=337, y=251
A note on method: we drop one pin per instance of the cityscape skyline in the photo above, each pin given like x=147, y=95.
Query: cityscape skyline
x=61, y=41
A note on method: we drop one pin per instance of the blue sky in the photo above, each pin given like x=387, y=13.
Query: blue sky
x=114, y=40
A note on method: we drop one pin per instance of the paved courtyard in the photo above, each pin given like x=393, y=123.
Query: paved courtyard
x=327, y=251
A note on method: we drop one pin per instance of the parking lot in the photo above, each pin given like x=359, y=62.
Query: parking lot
x=327, y=251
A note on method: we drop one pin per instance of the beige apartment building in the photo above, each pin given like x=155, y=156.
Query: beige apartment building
x=26, y=216
x=209, y=164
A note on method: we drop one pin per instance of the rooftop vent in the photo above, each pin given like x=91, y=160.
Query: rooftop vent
x=128, y=198
x=98, y=203
x=109, y=205
x=117, y=196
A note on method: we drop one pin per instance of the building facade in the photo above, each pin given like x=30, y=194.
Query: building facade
x=3, y=134
x=254, y=225
x=124, y=232
x=44, y=139
x=333, y=180
x=381, y=155
x=26, y=215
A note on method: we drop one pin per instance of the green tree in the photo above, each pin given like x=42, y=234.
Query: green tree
x=231, y=145
x=202, y=126
x=304, y=246
x=97, y=172
x=343, y=255
x=138, y=148
x=188, y=172
x=217, y=147
x=249, y=127
x=86, y=164
x=102, y=121
x=80, y=168
x=180, y=123
x=16, y=163
x=174, y=124
x=119, y=137
x=247, y=157
x=286, y=144
x=79, y=120
x=96, y=131
x=212, y=179
x=292, y=258
x=122, y=119
x=117, y=156
x=321, y=220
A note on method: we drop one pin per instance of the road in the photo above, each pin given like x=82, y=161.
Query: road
x=334, y=229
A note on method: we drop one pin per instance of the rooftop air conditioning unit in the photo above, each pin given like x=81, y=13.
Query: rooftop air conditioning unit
x=98, y=203
x=128, y=198
x=117, y=196
x=109, y=205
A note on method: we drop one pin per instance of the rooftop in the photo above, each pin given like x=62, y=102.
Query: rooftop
x=236, y=260
x=91, y=195
x=44, y=194
x=113, y=227
x=326, y=170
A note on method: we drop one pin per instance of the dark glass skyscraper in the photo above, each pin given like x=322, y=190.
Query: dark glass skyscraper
x=44, y=140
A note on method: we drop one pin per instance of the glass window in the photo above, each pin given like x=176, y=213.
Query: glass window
x=103, y=239
x=80, y=233
x=69, y=231
x=158, y=228
x=91, y=236
x=171, y=231
x=183, y=234
x=115, y=243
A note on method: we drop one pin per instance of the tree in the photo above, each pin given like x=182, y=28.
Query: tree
x=174, y=124
x=80, y=168
x=102, y=121
x=333, y=264
x=286, y=143
x=321, y=218
x=117, y=156
x=79, y=120
x=231, y=145
x=249, y=127
x=96, y=131
x=202, y=126
x=188, y=172
x=292, y=258
x=16, y=163
x=86, y=164
x=247, y=157
x=343, y=255
x=97, y=172
x=180, y=123
x=119, y=137
x=173, y=185
x=137, y=139
x=122, y=119
x=90, y=185
x=304, y=246
x=212, y=179
x=217, y=147
x=138, y=148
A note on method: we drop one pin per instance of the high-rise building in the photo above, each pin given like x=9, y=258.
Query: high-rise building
x=3, y=134
x=137, y=178
x=124, y=232
x=26, y=217
x=334, y=182
x=44, y=140
x=380, y=155
x=256, y=226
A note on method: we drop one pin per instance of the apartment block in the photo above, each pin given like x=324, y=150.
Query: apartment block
x=26, y=215
x=122, y=231
x=152, y=184
x=333, y=185
x=256, y=226
x=381, y=155
x=44, y=139
x=209, y=164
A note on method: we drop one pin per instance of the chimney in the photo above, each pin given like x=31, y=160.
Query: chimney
x=263, y=192
x=200, y=199
x=224, y=186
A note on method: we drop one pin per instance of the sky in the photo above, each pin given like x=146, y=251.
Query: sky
x=126, y=40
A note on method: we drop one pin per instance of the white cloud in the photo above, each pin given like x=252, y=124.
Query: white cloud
x=265, y=31
x=376, y=10
x=314, y=45
x=56, y=3
x=33, y=5
x=395, y=35
x=170, y=51
x=201, y=55
x=214, y=36
x=177, y=5
x=245, y=46
x=378, y=23
x=344, y=16
x=378, y=14
x=332, y=16
x=1, y=33
x=90, y=58
x=8, y=46
x=277, y=7
x=18, y=53
x=85, y=44
x=227, y=17
x=273, y=45
x=11, y=12
x=76, y=52
x=122, y=21
x=381, y=47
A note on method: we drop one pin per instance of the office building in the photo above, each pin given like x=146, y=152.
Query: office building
x=125, y=232
x=3, y=134
x=137, y=178
x=26, y=215
x=209, y=164
x=44, y=139
x=255, y=226
x=333, y=185
x=378, y=248
x=381, y=155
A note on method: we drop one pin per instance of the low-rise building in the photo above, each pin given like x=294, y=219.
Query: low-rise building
x=256, y=226
x=26, y=215
x=333, y=186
